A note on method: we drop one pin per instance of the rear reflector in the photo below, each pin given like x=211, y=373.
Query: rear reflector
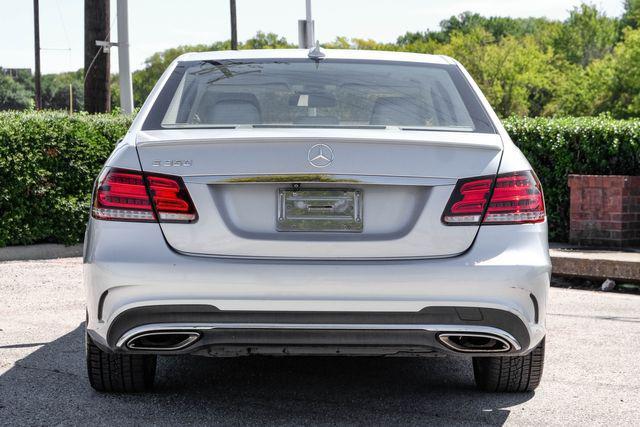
x=123, y=195
x=516, y=199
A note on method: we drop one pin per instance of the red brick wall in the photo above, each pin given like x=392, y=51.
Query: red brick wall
x=605, y=210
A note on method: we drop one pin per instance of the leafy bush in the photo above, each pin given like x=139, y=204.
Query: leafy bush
x=48, y=162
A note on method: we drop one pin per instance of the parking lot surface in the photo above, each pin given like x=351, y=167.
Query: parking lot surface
x=592, y=372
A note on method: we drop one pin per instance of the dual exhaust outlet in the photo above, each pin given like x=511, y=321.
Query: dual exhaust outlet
x=474, y=342
x=462, y=342
x=163, y=341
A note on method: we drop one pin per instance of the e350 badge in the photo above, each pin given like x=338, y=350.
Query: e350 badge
x=173, y=163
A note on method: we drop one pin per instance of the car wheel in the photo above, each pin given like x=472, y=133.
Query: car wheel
x=120, y=373
x=510, y=374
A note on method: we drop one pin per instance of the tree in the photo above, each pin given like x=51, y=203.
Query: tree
x=144, y=80
x=469, y=49
x=340, y=42
x=13, y=95
x=466, y=22
x=631, y=16
x=583, y=91
x=586, y=35
x=55, y=90
x=625, y=92
x=515, y=74
x=266, y=41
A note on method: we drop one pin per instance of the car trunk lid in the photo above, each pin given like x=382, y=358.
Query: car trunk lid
x=240, y=180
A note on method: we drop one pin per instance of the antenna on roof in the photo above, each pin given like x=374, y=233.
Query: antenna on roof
x=316, y=52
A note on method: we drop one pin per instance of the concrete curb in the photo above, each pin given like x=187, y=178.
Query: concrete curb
x=595, y=264
x=42, y=251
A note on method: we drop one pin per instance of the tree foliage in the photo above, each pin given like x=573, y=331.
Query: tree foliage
x=625, y=84
x=56, y=90
x=631, y=17
x=13, y=95
x=587, y=35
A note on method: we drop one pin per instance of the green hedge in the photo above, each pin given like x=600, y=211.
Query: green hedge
x=48, y=161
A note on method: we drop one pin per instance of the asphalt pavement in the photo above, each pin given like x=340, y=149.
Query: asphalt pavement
x=592, y=372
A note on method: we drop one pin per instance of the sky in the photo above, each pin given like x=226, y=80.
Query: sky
x=156, y=25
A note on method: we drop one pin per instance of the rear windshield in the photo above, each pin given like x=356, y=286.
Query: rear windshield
x=327, y=93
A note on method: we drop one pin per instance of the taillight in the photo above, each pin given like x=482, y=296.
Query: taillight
x=125, y=195
x=516, y=199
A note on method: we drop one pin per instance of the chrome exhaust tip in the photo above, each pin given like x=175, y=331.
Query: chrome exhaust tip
x=474, y=343
x=163, y=340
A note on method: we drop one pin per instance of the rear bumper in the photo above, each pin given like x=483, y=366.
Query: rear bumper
x=133, y=281
x=216, y=332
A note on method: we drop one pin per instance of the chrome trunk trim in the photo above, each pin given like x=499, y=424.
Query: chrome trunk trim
x=319, y=179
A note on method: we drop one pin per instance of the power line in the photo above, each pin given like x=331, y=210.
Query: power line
x=66, y=34
x=64, y=27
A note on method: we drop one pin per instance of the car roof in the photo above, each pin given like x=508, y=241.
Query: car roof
x=364, y=55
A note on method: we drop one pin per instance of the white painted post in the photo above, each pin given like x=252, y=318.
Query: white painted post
x=306, y=30
x=126, y=86
x=310, y=30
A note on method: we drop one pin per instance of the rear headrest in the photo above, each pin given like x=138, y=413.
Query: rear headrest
x=233, y=108
x=397, y=111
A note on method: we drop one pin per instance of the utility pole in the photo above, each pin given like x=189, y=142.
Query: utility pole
x=310, y=26
x=97, y=92
x=306, y=29
x=234, y=26
x=36, y=42
x=126, y=86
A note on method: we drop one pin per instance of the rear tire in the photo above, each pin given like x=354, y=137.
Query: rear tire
x=510, y=374
x=119, y=373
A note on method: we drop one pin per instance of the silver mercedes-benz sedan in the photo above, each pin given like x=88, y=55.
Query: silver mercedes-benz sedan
x=293, y=202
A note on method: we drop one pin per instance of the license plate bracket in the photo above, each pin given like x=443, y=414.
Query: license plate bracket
x=336, y=210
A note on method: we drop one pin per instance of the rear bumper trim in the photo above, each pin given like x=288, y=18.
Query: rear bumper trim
x=434, y=319
x=315, y=327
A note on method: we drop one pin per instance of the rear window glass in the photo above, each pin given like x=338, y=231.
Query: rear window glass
x=328, y=93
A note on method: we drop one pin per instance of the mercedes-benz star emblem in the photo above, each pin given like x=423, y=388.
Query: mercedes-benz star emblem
x=320, y=155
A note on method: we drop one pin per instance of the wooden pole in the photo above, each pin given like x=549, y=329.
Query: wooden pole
x=97, y=90
x=70, y=99
x=36, y=43
x=234, y=26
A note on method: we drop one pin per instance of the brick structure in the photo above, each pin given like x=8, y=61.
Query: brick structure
x=605, y=210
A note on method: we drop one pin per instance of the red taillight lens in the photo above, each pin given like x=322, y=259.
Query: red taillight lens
x=123, y=195
x=171, y=199
x=517, y=198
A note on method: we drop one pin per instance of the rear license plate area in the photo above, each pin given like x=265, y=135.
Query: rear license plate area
x=319, y=210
